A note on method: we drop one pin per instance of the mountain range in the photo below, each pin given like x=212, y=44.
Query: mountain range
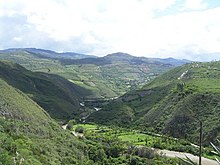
x=158, y=98
x=42, y=53
x=107, y=77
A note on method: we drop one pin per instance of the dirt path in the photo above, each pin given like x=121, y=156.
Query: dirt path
x=194, y=158
x=72, y=132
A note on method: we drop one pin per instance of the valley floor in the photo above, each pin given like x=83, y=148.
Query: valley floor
x=161, y=152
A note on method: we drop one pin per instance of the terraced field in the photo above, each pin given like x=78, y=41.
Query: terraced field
x=107, y=77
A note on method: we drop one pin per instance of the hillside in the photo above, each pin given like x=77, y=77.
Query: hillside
x=59, y=97
x=117, y=73
x=29, y=136
x=107, y=77
x=172, y=104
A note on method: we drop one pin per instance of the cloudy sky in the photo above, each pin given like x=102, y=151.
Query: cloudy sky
x=187, y=29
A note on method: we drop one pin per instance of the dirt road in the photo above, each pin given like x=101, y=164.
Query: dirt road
x=194, y=158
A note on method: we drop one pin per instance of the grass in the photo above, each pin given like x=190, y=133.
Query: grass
x=151, y=140
x=206, y=84
x=155, y=141
x=86, y=126
x=171, y=105
x=135, y=138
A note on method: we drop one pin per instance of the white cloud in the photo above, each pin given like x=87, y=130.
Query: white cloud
x=17, y=39
x=101, y=27
x=195, y=4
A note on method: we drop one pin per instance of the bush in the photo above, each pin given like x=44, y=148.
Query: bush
x=79, y=129
x=70, y=124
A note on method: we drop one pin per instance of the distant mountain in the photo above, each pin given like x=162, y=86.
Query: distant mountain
x=172, y=104
x=42, y=53
x=107, y=77
x=125, y=58
x=173, y=61
x=59, y=97
x=116, y=73
x=141, y=60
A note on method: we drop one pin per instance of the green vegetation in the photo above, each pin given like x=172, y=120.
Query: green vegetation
x=217, y=149
x=171, y=104
x=113, y=148
x=57, y=96
x=138, y=142
x=86, y=126
x=137, y=138
x=108, y=77
x=30, y=136
x=163, y=114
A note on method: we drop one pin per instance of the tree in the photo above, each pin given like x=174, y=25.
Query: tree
x=188, y=161
x=70, y=124
x=79, y=129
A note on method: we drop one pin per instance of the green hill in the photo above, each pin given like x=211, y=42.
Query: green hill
x=29, y=136
x=59, y=97
x=117, y=73
x=172, y=104
x=107, y=77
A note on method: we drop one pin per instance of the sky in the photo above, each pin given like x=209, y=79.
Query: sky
x=184, y=29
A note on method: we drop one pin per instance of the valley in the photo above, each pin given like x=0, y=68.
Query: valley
x=138, y=140
x=116, y=109
x=106, y=77
x=170, y=105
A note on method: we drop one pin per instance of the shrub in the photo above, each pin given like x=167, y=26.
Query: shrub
x=79, y=129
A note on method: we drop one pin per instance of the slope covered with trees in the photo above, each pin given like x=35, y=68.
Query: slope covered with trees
x=172, y=104
x=59, y=97
x=29, y=136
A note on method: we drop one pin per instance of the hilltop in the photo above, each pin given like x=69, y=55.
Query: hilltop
x=172, y=104
x=42, y=53
x=125, y=58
